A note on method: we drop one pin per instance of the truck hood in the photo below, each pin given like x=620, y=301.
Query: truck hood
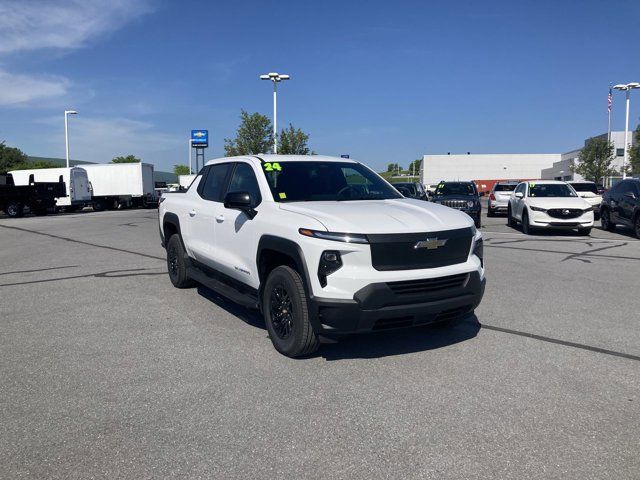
x=404, y=215
x=558, y=202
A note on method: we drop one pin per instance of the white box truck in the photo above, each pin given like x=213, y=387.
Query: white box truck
x=124, y=185
x=75, y=179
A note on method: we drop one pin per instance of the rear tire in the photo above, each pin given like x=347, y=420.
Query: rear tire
x=14, y=209
x=177, y=263
x=284, y=303
x=99, y=205
x=605, y=221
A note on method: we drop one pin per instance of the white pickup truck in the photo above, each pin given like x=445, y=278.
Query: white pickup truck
x=322, y=246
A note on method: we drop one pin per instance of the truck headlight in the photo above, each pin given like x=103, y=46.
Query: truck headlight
x=334, y=236
x=330, y=261
x=478, y=251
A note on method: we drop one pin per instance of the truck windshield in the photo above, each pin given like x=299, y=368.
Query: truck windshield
x=325, y=181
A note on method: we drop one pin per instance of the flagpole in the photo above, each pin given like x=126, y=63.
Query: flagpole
x=610, y=100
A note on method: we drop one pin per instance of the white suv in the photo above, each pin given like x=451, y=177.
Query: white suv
x=549, y=204
x=323, y=246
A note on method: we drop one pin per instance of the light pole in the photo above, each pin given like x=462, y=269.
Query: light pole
x=66, y=131
x=275, y=78
x=626, y=88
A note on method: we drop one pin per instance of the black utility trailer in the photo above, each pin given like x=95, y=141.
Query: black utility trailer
x=38, y=196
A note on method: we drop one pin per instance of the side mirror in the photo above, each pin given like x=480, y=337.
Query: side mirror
x=404, y=192
x=630, y=195
x=240, y=201
x=519, y=195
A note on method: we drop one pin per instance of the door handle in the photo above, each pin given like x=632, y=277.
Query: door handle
x=220, y=218
x=192, y=213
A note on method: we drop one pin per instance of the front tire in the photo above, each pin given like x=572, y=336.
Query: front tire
x=636, y=225
x=584, y=231
x=510, y=220
x=177, y=263
x=526, y=228
x=605, y=221
x=286, y=315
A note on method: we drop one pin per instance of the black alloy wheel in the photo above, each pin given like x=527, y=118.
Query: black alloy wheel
x=177, y=264
x=281, y=312
x=286, y=313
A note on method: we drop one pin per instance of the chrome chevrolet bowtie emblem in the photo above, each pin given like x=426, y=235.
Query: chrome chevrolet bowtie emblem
x=430, y=243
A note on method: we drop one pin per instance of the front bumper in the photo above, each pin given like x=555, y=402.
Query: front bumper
x=379, y=307
x=543, y=220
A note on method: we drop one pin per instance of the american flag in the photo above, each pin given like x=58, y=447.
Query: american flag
x=609, y=99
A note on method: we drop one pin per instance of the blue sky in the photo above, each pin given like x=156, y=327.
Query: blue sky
x=381, y=81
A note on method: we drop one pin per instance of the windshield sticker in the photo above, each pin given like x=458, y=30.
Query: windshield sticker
x=282, y=195
x=531, y=185
x=270, y=167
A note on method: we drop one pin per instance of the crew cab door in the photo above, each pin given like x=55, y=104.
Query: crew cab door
x=200, y=221
x=237, y=234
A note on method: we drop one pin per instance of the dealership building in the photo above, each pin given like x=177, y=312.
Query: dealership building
x=487, y=169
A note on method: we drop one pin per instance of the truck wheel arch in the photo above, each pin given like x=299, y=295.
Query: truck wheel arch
x=274, y=251
x=170, y=226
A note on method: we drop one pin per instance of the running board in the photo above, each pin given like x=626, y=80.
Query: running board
x=244, y=299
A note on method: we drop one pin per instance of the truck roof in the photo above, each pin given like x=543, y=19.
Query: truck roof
x=285, y=158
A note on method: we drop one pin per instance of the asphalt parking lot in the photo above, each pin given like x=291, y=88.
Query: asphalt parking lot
x=107, y=371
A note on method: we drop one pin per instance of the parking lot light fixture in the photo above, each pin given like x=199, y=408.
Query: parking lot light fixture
x=66, y=131
x=626, y=88
x=275, y=78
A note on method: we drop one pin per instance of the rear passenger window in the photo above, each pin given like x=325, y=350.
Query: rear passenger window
x=214, y=182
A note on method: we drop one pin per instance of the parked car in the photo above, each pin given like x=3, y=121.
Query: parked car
x=621, y=205
x=589, y=191
x=462, y=196
x=415, y=189
x=549, y=204
x=322, y=246
x=499, y=197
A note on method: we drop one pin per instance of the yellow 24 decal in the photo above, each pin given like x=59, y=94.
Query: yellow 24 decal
x=270, y=167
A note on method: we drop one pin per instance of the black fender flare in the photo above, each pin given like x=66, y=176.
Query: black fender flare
x=289, y=248
x=169, y=219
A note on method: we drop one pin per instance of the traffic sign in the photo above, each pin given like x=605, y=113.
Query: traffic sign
x=199, y=138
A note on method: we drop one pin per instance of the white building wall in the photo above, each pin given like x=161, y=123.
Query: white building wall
x=485, y=166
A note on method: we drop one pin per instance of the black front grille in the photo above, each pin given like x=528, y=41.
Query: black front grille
x=411, y=251
x=458, y=204
x=428, y=285
x=564, y=212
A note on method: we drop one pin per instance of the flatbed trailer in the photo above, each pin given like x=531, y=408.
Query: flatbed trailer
x=39, y=197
